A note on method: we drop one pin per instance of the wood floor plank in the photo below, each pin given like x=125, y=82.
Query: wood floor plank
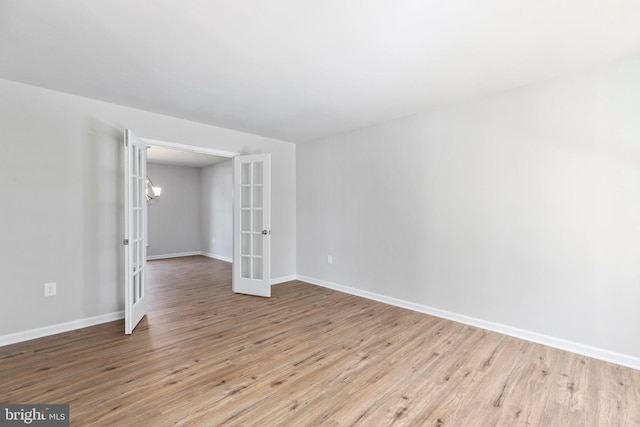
x=308, y=356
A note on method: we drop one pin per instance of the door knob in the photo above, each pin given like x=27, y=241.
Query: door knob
x=265, y=232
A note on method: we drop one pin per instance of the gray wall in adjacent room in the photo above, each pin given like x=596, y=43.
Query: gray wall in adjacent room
x=217, y=209
x=174, y=220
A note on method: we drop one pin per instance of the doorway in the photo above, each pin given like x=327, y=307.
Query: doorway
x=137, y=194
x=193, y=213
x=250, y=207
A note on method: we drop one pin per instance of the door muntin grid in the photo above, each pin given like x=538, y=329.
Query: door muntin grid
x=136, y=238
x=252, y=224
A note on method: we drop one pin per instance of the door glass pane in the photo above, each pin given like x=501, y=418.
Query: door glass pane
x=139, y=159
x=257, y=244
x=140, y=253
x=134, y=225
x=245, y=222
x=257, y=173
x=141, y=284
x=246, y=174
x=135, y=288
x=245, y=267
x=141, y=199
x=257, y=268
x=134, y=256
x=257, y=220
x=245, y=245
x=134, y=163
x=246, y=197
x=134, y=193
x=257, y=196
x=138, y=215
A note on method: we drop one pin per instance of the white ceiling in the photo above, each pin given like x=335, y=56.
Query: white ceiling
x=171, y=156
x=299, y=70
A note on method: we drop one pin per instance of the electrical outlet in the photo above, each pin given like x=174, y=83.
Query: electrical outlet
x=329, y=259
x=49, y=289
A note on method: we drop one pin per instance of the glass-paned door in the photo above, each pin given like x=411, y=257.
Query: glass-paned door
x=252, y=229
x=135, y=215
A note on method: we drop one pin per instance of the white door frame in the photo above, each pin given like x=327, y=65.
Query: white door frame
x=190, y=148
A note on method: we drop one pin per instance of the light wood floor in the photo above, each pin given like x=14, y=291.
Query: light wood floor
x=308, y=356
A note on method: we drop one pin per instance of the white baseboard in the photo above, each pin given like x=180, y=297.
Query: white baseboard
x=165, y=256
x=562, y=344
x=59, y=328
x=282, y=279
x=218, y=257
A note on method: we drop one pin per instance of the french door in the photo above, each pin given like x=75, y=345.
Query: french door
x=135, y=224
x=252, y=225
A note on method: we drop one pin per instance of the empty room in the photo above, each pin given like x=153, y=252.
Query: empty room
x=297, y=213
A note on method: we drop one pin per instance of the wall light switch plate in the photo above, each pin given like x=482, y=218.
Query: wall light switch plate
x=329, y=259
x=49, y=289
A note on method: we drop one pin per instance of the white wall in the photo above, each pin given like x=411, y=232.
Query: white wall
x=217, y=209
x=521, y=208
x=174, y=220
x=61, y=213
